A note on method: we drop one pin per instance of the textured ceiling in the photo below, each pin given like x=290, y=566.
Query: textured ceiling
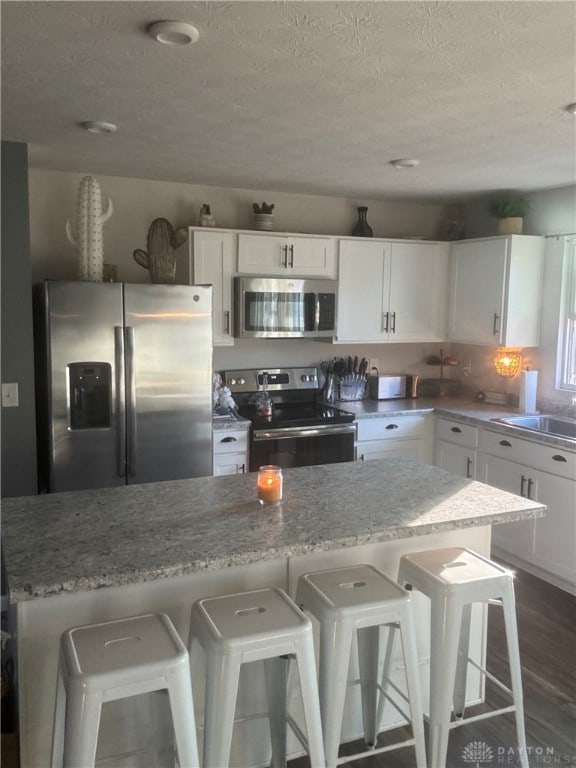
x=312, y=97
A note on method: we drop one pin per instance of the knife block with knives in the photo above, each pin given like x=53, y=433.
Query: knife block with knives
x=351, y=375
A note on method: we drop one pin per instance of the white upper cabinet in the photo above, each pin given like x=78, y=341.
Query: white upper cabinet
x=496, y=291
x=391, y=291
x=286, y=255
x=211, y=254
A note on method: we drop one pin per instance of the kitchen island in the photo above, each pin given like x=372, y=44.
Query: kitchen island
x=79, y=557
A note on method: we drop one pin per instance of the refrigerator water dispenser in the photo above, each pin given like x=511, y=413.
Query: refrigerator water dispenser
x=90, y=395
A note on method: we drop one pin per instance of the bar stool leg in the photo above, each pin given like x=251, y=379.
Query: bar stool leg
x=310, y=702
x=184, y=722
x=508, y=606
x=222, y=675
x=59, y=722
x=386, y=673
x=335, y=647
x=276, y=671
x=446, y=621
x=368, y=648
x=82, y=725
x=410, y=653
x=462, y=663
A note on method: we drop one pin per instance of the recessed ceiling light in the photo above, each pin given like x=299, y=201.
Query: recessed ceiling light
x=405, y=163
x=98, y=126
x=571, y=108
x=173, y=32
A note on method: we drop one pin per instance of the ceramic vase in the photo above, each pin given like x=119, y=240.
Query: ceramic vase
x=362, y=228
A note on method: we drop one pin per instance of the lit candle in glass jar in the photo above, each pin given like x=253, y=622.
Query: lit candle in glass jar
x=269, y=484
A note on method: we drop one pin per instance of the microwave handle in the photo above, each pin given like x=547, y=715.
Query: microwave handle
x=316, y=311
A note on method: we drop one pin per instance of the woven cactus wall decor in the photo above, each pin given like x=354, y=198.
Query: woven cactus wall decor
x=88, y=236
x=160, y=258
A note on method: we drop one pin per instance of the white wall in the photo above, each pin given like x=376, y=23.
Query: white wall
x=137, y=202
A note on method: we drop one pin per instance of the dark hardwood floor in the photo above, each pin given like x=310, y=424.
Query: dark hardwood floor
x=547, y=630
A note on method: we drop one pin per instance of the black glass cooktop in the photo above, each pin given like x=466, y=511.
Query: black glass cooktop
x=297, y=415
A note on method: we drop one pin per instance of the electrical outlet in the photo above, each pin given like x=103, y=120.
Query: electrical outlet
x=9, y=395
x=373, y=364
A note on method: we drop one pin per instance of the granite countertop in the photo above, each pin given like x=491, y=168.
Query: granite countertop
x=230, y=423
x=85, y=540
x=474, y=413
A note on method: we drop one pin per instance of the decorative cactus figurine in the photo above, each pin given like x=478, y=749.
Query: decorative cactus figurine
x=88, y=237
x=160, y=258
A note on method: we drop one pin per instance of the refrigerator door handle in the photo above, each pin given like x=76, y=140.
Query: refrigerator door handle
x=130, y=401
x=120, y=400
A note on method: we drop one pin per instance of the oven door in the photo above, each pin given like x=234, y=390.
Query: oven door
x=302, y=446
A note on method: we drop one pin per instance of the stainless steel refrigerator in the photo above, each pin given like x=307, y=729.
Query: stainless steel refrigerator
x=124, y=392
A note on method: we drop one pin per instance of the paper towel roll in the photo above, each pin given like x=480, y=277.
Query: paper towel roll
x=528, y=387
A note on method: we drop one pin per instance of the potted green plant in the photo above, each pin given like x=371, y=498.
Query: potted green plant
x=510, y=212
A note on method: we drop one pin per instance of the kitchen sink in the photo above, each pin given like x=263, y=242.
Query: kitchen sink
x=546, y=424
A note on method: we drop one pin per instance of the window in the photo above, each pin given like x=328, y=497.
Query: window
x=567, y=336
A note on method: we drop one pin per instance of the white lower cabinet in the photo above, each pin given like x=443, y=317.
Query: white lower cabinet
x=545, y=546
x=455, y=449
x=515, y=539
x=230, y=452
x=394, y=437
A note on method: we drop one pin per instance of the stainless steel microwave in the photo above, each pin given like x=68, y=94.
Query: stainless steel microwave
x=284, y=307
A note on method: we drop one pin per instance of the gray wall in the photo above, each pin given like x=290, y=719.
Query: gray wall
x=19, y=473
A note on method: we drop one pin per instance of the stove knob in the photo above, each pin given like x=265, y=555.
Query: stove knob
x=232, y=382
x=304, y=377
x=312, y=377
x=241, y=381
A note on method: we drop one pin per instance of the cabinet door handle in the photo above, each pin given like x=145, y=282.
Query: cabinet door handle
x=385, y=321
x=242, y=469
x=228, y=439
x=455, y=429
x=291, y=257
x=361, y=457
x=558, y=457
x=393, y=327
x=227, y=321
x=392, y=426
x=522, y=481
x=285, y=256
x=505, y=443
x=468, y=467
x=530, y=484
x=495, y=329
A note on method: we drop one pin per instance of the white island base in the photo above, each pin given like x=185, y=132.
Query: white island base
x=136, y=732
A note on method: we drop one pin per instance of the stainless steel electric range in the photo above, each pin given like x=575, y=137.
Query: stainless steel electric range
x=297, y=430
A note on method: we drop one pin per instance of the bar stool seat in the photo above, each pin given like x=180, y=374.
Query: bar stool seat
x=361, y=599
x=114, y=660
x=454, y=579
x=266, y=625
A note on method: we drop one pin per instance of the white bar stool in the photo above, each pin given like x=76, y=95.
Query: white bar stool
x=361, y=599
x=453, y=579
x=114, y=660
x=263, y=624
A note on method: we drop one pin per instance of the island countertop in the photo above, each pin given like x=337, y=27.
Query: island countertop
x=86, y=540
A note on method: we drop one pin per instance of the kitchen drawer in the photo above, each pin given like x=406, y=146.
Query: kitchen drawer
x=391, y=427
x=390, y=449
x=457, y=432
x=230, y=441
x=547, y=458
